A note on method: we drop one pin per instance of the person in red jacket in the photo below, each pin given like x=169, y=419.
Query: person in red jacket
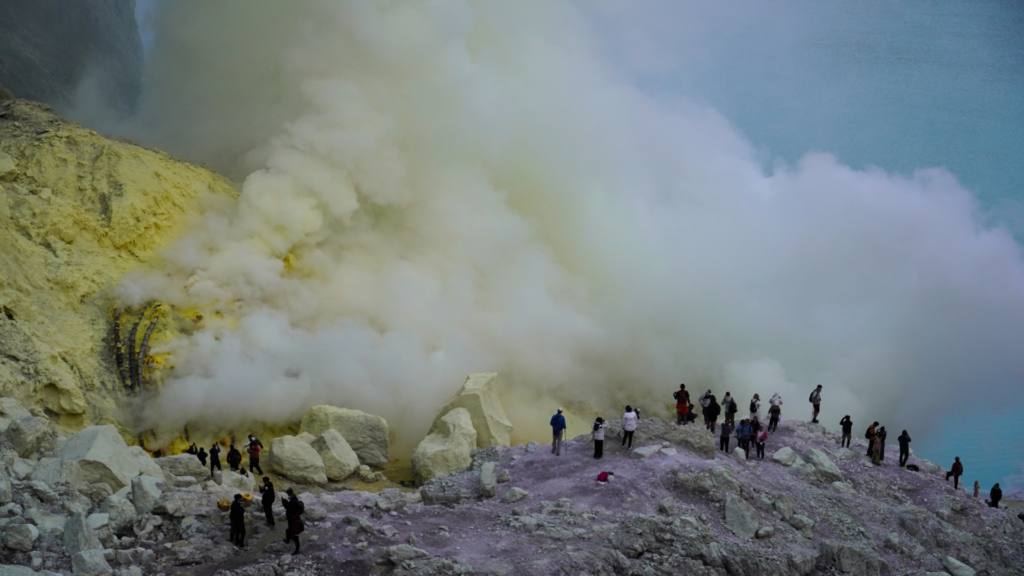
x=682, y=404
x=254, y=455
x=956, y=472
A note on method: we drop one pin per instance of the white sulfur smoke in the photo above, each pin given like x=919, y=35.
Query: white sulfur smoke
x=437, y=188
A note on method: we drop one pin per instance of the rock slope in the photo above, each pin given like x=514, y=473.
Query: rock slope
x=808, y=508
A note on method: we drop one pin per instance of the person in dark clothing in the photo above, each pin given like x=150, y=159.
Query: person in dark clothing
x=759, y=442
x=847, y=426
x=267, y=490
x=293, y=509
x=711, y=416
x=234, y=458
x=956, y=472
x=723, y=443
x=557, y=430
x=237, y=515
x=743, y=435
x=691, y=416
x=682, y=398
x=904, y=440
x=881, y=441
x=254, y=457
x=730, y=408
x=192, y=449
x=995, y=495
x=815, y=401
x=214, y=457
x=598, y=434
x=870, y=436
x=202, y=456
x=774, y=412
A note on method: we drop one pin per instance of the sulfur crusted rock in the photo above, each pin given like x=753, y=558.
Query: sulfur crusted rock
x=30, y=434
x=479, y=396
x=102, y=455
x=366, y=434
x=183, y=465
x=447, y=448
x=296, y=460
x=340, y=461
x=11, y=410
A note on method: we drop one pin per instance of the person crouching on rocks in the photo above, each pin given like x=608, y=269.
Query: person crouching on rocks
x=557, y=430
x=598, y=434
x=293, y=509
x=628, y=426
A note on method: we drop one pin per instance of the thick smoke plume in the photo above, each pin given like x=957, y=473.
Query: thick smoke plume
x=437, y=188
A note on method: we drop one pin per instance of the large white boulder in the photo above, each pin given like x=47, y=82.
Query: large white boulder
x=11, y=410
x=146, y=490
x=447, y=448
x=479, y=395
x=365, y=433
x=238, y=482
x=296, y=460
x=30, y=434
x=693, y=438
x=184, y=465
x=824, y=469
x=785, y=456
x=340, y=461
x=147, y=464
x=741, y=517
x=102, y=455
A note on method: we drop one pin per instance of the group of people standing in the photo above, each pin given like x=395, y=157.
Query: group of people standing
x=253, y=447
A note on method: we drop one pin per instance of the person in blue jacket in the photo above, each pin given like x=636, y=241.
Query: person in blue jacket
x=557, y=429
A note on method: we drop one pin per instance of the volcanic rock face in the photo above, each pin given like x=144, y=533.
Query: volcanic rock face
x=47, y=47
x=77, y=211
x=365, y=433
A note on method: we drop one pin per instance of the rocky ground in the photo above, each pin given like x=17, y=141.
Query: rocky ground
x=676, y=506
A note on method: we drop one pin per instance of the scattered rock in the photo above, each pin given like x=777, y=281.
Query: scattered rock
x=532, y=447
x=46, y=522
x=488, y=481
x=21, y=537
x=10, y=409
x=667, y=506
x=145, y=492
x=849, y=559
x=366, y=434
x=29, y=435
x=235, y=480
x=121, y=514
x=785, y=456
x=784, y=506
x=739, y=453
x=79, y=536
x=479, y=396
x=956, y=567
x=765, y=532
x=645, y=452
x=741, y=517
x=824, y=469
x=403, y=552
x=340, y=461
x=181, y=504
x=696, y=439
x=54, y=470
x=514, y=494
x=447, y=448
x=5, y=487
x=90, y=562
x=148, y=466
x=296, y=460
x=802, y=524
x=183, y=465
x=504, y=476
x=102, y=455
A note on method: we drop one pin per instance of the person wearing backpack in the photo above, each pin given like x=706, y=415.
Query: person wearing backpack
x=730, y=408
x=711, y=416
x=755, y=407
x=727, y=430
x=815, y=400
x=293, y=509
x=682, y=398
x=598, y=434
x=847, y=425
x=761, y=439
x=904, y=440
x=870, y=437
x=774, y=412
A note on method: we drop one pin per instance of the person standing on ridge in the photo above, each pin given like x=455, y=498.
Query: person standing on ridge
x=293, y=509
x=254, y=456
x=705, y=400
x=774, y=412
x=202, y=456
x=815, y=400
x=977, y=488
x=711, y=417
x=237, y=516
x=234, y=458
x=995, y=495
x=629, y=419
x=956, y=472
x=214, y=457
x=557, y=430
x=876, y=449
x=870, y=437
x=682, y=404
x=730, y=408
x=727, y=430
x=267, y=490
x=755, y=407
x=598, y=434
x=882, y=435
x=904, y=440
x=847, y=425
x=192, y=449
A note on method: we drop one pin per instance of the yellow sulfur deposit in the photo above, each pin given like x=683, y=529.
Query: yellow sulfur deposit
x=78, y=211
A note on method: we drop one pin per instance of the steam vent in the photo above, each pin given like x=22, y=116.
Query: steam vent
x=514, y=288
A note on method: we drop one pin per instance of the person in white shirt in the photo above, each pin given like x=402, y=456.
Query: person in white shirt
x=815, y=400
x=755, y=407
x=628, y=426
x=598, y=433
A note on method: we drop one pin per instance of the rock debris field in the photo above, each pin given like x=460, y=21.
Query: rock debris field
x=676, y=506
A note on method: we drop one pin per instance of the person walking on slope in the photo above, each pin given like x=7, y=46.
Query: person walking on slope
x=870, y=437
x=956, y=472
x=904, y=440
x=847, y=425
x=598, y=434
x=234, y=458
x=995, y=495
x=682, y=398
x=882, y=435
x=214, y=457
x=727, y=430
x=743, y=437
x=254, y=456
x=762, y=437
x=711, y=416
x=730, y=408
x=293, y=509
x=267, y=490
x=557, y=430
x=237, y=516
x=815, y=400
x=628, y=426
x=774, y=412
